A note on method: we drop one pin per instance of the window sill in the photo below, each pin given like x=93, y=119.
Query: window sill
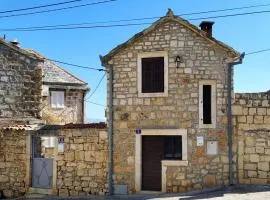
x=207, y=125
x=174, y=163
x=57, y=108
x=158, y=94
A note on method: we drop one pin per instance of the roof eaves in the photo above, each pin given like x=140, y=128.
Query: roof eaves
x=21, y=50
x=107, y=57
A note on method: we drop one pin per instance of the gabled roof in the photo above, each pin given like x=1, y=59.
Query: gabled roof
x=53, y=74
x=169, y=17
x=19, y=50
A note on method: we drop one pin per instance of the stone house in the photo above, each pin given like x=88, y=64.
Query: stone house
x=20, y=84
x=63, y=94
x=170, y=108
x=33, y=87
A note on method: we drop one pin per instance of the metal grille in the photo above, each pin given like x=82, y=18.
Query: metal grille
x=42, y=168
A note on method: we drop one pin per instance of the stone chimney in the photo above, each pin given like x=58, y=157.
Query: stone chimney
x=206, y=26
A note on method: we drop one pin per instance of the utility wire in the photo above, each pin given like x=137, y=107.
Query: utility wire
x=123, y=25
x=135, y=19
x=75, y=65
x=95, y=103
x=41, y=6
x=96, y=87
x=57, y=9
x=256, y=52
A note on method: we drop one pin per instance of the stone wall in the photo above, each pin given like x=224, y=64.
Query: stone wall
x=252, y=133
x=83, y=167
x=73, y=111
x=20, y=85
x=14, y=163
x=180, y=109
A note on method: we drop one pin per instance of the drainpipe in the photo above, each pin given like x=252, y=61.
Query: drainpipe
x=110, y=161
x=229, y=114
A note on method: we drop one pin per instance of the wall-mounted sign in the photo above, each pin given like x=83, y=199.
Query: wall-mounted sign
x=200, y=141
x=61, y=147
x=61, y=139
x=138, y=131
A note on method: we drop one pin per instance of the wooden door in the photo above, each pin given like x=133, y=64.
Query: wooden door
x=152, y=154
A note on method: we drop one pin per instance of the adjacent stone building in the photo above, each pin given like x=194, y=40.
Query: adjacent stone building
x=20, y=83
x=63, y=94
x=170, y=108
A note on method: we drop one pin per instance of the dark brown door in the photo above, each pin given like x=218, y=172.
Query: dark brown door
x=152, y=154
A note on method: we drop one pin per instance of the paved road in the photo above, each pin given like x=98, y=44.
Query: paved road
x=235, y=193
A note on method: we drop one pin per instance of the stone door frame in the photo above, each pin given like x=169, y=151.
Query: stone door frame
x=164, y=163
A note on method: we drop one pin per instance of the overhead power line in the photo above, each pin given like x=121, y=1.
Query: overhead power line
x=256, y=52
x=75, y=65
x=44, y=28
x=41, y=6
x=57, y=9
x=96, y=87
x=95, y=103
x=123, y=20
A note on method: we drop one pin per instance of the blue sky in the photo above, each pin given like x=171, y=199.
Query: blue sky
x=83, y=47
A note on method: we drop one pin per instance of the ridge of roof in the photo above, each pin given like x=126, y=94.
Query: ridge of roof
x=168, y=17
x=20, y=50
x=48, y=61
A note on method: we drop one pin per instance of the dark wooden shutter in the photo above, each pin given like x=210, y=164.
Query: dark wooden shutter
x=153, y=75
x=207, y=104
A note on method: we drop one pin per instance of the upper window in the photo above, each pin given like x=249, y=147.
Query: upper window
x=207, y=106
x=57, y=99
x=153, y=74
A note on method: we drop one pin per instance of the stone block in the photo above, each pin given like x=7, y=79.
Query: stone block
x=259, y=149
x=263, y=166
x=63, y=192
x=261, y=111
x=250, y=141
x=254, y=158
x=79, y=155
x=237, y=110
x=258, y=181
x=209, y=180
x=258, y=119
x=252, y=111
x=250, y=166
x=69, y=156
x=4, y=179
x=252, y=174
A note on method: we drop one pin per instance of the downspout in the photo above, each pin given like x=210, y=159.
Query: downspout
x=110, y=131
x=110, y=159
x=229, y=114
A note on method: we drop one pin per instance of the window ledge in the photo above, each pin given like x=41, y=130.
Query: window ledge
x=207, y=125
x=158, y=94
x=174, y=163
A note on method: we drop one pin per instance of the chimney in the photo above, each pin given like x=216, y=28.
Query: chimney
x=15, y=42
x=206, y=26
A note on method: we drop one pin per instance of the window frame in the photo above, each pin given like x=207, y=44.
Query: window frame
x=64, y=95
x=213, y=103
x=163, y=54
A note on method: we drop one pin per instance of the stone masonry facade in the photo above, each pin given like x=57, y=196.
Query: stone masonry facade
x=14, y=161
x=83, y=168
x=73, y=112
x=252, y=135
x=20, y=84
x=80, y=170
x=180, y=109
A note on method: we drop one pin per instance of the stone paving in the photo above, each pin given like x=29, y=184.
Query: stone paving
x=232, y=193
